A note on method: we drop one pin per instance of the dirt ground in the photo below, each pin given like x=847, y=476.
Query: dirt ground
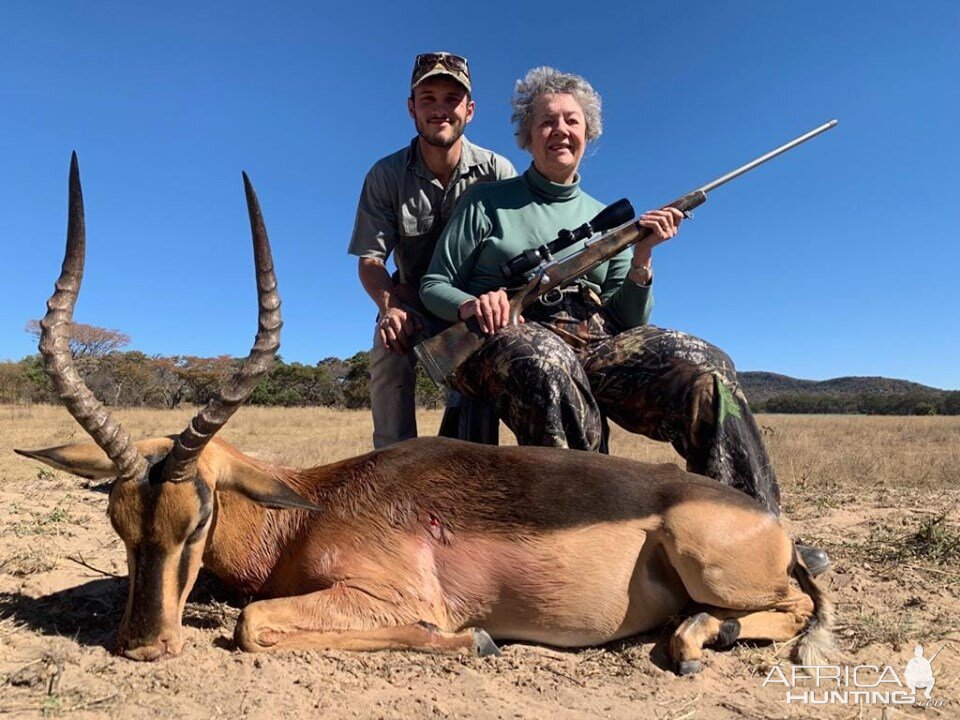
x=880, y=495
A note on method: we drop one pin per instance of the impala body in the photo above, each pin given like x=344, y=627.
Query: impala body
x=432, y=544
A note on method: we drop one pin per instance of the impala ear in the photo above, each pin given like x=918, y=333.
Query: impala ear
x=85, y=460
x=88, y=461
x=263, y=489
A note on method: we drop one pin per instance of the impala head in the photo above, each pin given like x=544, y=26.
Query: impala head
x=162, y=503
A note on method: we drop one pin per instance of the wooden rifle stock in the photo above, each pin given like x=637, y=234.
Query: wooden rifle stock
x=442, y=354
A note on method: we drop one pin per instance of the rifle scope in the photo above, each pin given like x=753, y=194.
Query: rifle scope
x=610, y=217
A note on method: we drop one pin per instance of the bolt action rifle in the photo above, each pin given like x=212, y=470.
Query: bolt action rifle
x=442, y=354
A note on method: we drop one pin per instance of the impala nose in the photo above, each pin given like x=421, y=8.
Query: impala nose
x=166, y=645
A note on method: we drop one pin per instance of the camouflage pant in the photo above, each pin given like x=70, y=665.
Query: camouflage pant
x=552, y=377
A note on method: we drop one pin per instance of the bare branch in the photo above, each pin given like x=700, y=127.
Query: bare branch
x=87, y=340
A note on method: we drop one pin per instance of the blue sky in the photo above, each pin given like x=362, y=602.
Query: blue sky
x=840, y=258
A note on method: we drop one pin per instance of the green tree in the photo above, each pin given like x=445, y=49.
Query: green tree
x=42, y=390
x=15, y=384
x=427, y=394
x=127, y=379
x=204, y=376
x=356, y=382
x=951, y=403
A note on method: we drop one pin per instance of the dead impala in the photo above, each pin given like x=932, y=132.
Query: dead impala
x=434, y=544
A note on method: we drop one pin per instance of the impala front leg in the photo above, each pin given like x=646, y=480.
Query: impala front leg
x=721, y=628
x=344, y=618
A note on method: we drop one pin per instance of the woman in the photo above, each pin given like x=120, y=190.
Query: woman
x=590, y=349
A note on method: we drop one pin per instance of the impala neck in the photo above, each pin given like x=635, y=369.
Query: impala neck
x=247, y=542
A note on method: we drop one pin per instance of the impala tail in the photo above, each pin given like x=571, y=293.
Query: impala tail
x=816, y=645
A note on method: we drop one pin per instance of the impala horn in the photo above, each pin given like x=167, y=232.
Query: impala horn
x=55, y=333
x=181, y=463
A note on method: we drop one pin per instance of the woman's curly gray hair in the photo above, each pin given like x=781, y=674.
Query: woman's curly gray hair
x=542, y=80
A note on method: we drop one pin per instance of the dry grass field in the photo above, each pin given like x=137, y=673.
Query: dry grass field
x=880, y=494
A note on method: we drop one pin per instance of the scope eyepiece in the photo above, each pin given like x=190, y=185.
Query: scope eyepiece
x=522, y=263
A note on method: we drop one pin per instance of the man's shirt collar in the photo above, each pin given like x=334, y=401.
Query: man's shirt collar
x=469, y=157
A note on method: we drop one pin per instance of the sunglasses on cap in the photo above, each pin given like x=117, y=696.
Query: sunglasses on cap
x=428, y=61
x=429, y=64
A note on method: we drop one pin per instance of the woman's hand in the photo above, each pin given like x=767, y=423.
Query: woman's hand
x=491, y=309
x=663, y=225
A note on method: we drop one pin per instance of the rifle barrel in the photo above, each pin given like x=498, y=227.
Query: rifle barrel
x=769, y=156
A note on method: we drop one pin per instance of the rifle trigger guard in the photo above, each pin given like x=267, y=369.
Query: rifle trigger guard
x=551, y=297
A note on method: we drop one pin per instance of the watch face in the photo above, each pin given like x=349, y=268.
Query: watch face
x=642, y=272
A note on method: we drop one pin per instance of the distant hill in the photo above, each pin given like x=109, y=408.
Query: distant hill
x=761, y=386
x=770, y=392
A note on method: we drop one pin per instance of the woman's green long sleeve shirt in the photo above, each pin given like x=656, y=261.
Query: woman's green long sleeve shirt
x=494, y=222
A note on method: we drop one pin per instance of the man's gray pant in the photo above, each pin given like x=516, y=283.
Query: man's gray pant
x=393, y=381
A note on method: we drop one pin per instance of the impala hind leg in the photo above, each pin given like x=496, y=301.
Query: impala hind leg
x=349, y=619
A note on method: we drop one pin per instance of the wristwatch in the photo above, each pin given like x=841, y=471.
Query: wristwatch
x=641, y=274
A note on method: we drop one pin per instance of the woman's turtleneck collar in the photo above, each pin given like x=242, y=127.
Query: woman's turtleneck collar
x=549, y=189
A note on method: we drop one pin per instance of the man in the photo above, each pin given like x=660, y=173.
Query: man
x=406, y=201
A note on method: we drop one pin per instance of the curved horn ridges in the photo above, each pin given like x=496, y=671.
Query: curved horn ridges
x=55, y=347
x=187, y=448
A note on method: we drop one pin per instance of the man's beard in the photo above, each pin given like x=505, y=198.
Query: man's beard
x=439, y=142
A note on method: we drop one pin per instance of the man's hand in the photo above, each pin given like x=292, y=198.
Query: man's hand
x=491, y=309
x=397, y=326
x=396, y=329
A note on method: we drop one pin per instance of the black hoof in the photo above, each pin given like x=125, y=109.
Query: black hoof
x=689, y=667
x=485, y=644
x=815, y=559
x=728, y=634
